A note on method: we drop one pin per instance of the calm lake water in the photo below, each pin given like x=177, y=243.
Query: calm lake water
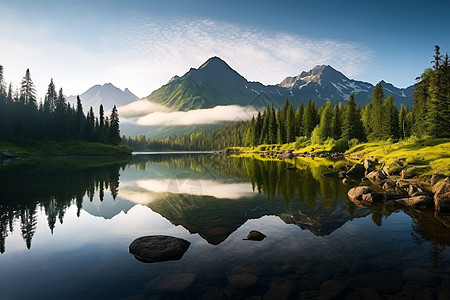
x=66, y=224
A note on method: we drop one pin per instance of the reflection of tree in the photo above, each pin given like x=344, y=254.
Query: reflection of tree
x=24, y=188
x=28, y=224
x=426, y=227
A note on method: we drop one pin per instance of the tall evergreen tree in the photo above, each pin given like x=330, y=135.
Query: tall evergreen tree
x=290, y=124
x=299, y=120
x=257, y=129
x=376, y=113
x=351, y=121
x=421, y=103
x=403, y=122
x=272, y=135
x=264, y=138
x=336, y=123
x=50, y=98
x=309, y=118
x=27, y=90
x=325, y=121
x=390, y=119
x=114, y=132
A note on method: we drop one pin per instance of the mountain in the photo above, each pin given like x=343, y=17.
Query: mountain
x=216, y=83
x=106, y=94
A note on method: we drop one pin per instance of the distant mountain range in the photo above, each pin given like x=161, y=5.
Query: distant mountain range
x=106, y=94
x=216, y=83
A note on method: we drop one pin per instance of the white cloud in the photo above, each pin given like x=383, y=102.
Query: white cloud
x=198, y=116
x=141, y=107
x=144, y=55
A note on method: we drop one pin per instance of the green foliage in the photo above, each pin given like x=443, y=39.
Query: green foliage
x=351, y=121
x=340, y=145
x=352, y=143
x=315, y=136
x=302, y=142
x=376, y=113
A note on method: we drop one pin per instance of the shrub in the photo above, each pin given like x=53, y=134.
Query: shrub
x=340, y=145
x=352, y=143
x=315, y=136
x=301, y=142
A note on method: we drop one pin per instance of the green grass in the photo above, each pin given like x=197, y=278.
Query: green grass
x=71, y=148
x=432, y=152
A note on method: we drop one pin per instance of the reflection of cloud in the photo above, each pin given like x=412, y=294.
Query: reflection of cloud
x=138, y=196
x=212, y=188
x=198, y=116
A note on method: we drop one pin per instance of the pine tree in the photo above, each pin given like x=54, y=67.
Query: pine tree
x=264, y=138
x=114, y=132
x=366, y=120
x=421, y=103
x=438, y=113
x=325, y=121
x=351, y=121
x=390, y=127
x=376, y=114
x=403, y=123
x=61, y=116
x=336, y=123
x=257, y=130
x=27, y=90
x=309, y=118
x=50, y=98
x=299, y=120
x=290, y=124
x=272, y=126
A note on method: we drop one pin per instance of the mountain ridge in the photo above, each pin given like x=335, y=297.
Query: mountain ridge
x=107, y=94
x=216, y=83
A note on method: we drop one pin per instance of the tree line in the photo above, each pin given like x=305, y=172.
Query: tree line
x=23, y=119
x=380, y=119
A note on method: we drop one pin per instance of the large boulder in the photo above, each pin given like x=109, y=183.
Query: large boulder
x=156, y=248
x=441, y=192
x=363, y=196
x=422, y=200
x=357, y=171
x=376, y=177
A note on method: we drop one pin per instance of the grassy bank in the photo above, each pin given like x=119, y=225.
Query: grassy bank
x=72, y=148
x=432, y=152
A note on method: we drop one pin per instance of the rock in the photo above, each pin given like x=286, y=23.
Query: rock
x=415, y=190
x=255, y=235
x=342, y=174
x=170, y=284
x=413, y=171
x=417, y=276
x=441, y=192
x=369, y=165
x=368, y=293
x=435, y=178
x=376, y=177
x=421, y=200
x=286, y=155
x=282, y=290
x=8, y=154
x=330, y=174
x=357, y=171
x=156, y=248
x=242, y=281
x=388, y=184
x=331, y=289
x=383, y=282
x=363, y=196
x=347, y=181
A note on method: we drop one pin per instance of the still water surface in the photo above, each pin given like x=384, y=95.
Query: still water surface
x=66, y=224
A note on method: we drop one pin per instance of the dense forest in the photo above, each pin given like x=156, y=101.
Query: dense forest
x=340, y=125
x=23, y=119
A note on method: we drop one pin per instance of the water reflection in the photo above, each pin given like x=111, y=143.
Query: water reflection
x=208, y=195
x=52, y=186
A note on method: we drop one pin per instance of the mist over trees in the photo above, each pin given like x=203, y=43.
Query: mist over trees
x=378, y=120
x=23, y=119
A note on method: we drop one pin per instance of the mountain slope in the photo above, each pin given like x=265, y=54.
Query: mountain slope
x=216, y=83
x=106, y=94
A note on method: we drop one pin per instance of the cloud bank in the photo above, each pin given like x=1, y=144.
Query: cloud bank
x=198, y=116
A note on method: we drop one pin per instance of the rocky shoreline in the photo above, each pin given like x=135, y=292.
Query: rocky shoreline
x=395, y=191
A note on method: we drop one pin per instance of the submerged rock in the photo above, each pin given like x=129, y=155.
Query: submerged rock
x=157, y=248
x=421, y=200
x=357, y=171
x=174, y=283
x=255, y=236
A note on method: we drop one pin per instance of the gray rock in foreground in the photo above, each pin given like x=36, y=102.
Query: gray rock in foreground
x=157, y=248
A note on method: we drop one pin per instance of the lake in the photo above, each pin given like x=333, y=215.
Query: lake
x=66, y=224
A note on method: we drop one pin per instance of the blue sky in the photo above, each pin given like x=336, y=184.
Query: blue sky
x=142, y=44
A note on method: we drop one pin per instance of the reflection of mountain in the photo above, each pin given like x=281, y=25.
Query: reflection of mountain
x=108, y=208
